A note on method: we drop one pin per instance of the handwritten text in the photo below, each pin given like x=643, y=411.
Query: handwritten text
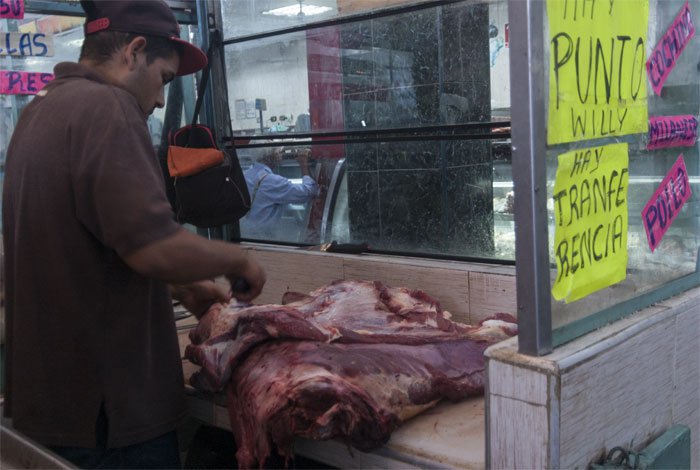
x=590, y=212
x=664, y=56
x=26, y=44
x=597, y=86
x=22, y=83
x=664, y=206
x=13, y=9
x=672, y=131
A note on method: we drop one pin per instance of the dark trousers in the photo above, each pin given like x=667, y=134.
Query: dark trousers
x=160, y=452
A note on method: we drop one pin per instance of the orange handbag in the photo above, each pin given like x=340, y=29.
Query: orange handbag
x=205, y=184
x=186, y=161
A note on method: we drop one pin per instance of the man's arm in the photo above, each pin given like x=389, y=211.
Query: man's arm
x=185, y=257
x=303, y=160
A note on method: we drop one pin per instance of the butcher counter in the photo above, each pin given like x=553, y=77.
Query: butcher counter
x=451, y=435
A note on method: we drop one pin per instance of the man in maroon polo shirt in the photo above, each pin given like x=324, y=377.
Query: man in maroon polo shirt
x=93, y=367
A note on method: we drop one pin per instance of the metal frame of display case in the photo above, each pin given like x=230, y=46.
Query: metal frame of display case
x=528, y=97
x=529, y=177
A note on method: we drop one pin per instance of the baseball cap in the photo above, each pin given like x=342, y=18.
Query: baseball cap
x=148, y=17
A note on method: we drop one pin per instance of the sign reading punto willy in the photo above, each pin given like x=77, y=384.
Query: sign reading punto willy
x=597, y=82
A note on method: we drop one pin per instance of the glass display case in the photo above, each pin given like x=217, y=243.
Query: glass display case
x=405, y=110
x=608, y=125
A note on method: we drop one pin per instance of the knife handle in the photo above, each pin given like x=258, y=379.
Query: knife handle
x=350, y=248
x=240, y=285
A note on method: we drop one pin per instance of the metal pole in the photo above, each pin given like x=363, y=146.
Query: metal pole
x=527, y=79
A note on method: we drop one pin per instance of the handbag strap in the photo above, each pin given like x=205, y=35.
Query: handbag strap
x=213, y=42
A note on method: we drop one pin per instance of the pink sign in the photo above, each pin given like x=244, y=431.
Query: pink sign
x=22, y=83
x=663, y=57
x=12, y=9
x=672, y=131
x=666, y=203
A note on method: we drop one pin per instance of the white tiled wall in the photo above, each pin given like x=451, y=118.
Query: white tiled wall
x=469, y=291
x=622, y=385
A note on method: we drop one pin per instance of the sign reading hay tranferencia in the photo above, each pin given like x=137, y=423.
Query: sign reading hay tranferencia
x=597, y=76
x=590, y=213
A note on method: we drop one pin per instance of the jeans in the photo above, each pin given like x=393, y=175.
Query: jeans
x=160, y=452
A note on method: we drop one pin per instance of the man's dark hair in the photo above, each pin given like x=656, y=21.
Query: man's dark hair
x=100, y=46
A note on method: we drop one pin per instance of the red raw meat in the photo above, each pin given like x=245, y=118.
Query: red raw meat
x=350, y=360
x=359, y=393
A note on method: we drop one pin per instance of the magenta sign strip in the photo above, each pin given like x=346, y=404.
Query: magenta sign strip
x=664, y=206
x=663, y=57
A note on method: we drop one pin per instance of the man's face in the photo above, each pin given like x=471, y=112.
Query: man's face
x=147, y=81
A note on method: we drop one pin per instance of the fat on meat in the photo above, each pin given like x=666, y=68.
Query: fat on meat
x=351, y=360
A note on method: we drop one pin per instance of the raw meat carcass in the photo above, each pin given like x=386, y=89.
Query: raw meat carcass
x=351, y=360
x=359, y=393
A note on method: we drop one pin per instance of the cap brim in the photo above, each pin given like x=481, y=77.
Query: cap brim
x=193, y=58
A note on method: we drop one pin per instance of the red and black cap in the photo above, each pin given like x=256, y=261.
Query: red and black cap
x=148, y=17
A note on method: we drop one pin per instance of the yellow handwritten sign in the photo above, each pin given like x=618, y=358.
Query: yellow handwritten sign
x=590, y=213
x=597, y=76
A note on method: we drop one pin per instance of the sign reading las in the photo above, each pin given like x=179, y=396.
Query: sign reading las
x=26, y=44
x=597, y=79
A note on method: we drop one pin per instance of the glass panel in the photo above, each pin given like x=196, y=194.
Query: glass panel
x=435, y=197
x=246, y=17
x=435, y=67
x=676, y=255
x=405, y=70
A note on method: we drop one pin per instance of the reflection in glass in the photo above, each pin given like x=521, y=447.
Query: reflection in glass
x=429, y=67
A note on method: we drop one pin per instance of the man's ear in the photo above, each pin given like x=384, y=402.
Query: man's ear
x=133, y=49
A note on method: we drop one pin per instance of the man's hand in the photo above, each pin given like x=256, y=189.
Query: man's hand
x=254, y=276
x=303, y=160
x=197, y=297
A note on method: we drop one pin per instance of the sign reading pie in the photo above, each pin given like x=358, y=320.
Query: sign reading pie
x=664, y=206
x=590, y=212
x=597, y=80
x=22, y=83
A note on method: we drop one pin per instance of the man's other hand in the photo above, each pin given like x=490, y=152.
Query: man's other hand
x=197, y=297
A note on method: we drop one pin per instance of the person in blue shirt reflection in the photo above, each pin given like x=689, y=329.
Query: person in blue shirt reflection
x=270, y=192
